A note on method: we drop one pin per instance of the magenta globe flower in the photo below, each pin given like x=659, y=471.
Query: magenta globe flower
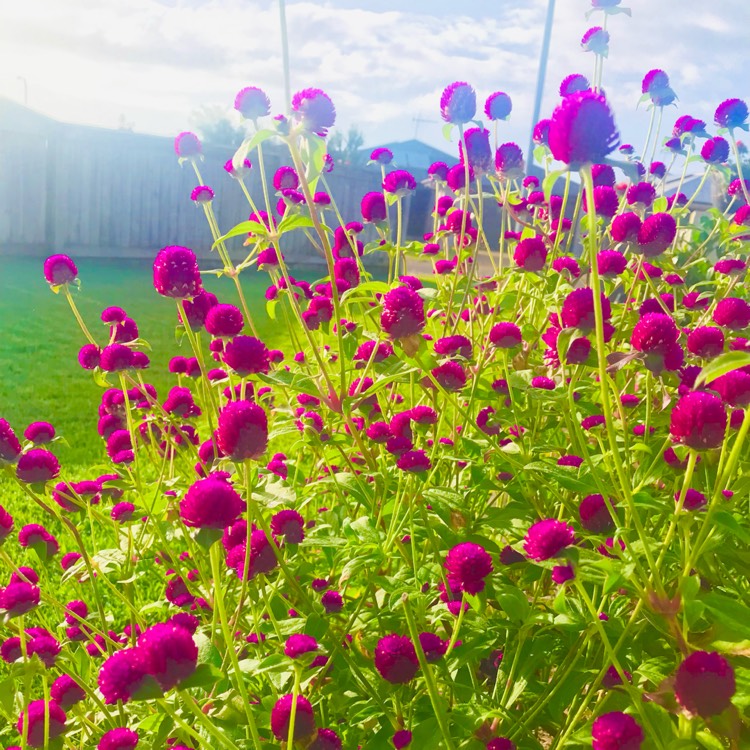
x=656, y=234
x=281, y=713
x=187, y=145
x=66, y=692
x=170, y=652
x=396, y=659
x=509, y=161
x=252, y=103
x=176, y=272
x=374, y=209
x=594, y=514
x=625, y=227
x=10, y=446
x=403, y=313
x=616, y=731
x=705, y=683
x=211, y=503
x=242, y=432
x=715, y=151
x=583, y=130
x=548, y=538
x=501, y=743
x=289, y=525
x=732, y=113
x=596, y=40
x=699, y=421
x=382, y=156
x=38, y=715
x=399, y=182
x=475, y=148
x=314, y=110
x=458, y=103
x=733, y=313
x=118, y=739
x=530, y=254
x=124, y=675
x=467, y=565
x=18, y=598
x=498, y=106
x=299, y=644
x=37, y=466
x=574, y=83
x=60, y=269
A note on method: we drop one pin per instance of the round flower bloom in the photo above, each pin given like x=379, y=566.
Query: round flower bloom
x=458, y=103
x=66, y=692
x=583, y=130
x=88, y=356
x=224, y=320
x=540, y=133
x=201, y=194
x=731, y=113
x=18, y=598
x=578, y=309
x=467, y=566
x=196, y=310
x=314, y=109
x=574, y=83
x=625, y=227
x=705, y=683
x=730, y=266
x=732, y=312
x=382, y=155
x=60, y=269
x=606, y=201
x=37, y=465
x=118, y=739
x=715, y=151
x=252, y=103
x=456, y=177
x=242, y=431
x=187, y=145
x=478, y=150
x=281, y=713
x=211, y=503
x=399, y=182
x=530, y=254
x=505, y=335
x=123, y=675
x=6, y=524
x=453, y=346
x=594, y=514
x=170, y=652
x=116, y=357
x=285, y=178
x=176, y=272
x=39, y=433
x=656, y=334
x=706, y=342
x=547, y=538
x=433, y=646
x=563, y=573
x=610, y=263
x=401, y=739
x=396, y=659
x=438, y=171
x=414, y=462
x=699, y=421
x=374, y=209
x=246, y=355
x=10, y=446
x=501, y=743
x=656, y=84
x=498, y=106
x=693, y=499
x=327, y=739
x=403, y=312
x=596, y=40
x=658, y=169
x=332, y=602
x=509, y=161
x=734, y=388
x=239, y=172
x=299, y=644
x=642, y=192
x=656, y=234
x=46, y=648
x=543, y=383
x=35, y=717
x=288, y=524
x=616, y=731
x=122, y=512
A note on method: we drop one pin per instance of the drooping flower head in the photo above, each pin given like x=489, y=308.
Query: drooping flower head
x=583, y=130
x=314, y=110
x=498, y=106
x=458, y=103
x=252, y=103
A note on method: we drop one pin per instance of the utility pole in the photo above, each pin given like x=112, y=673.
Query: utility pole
x=543, y=58
x=285, y=57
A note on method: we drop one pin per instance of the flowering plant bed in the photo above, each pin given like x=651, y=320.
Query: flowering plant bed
x=457, y=510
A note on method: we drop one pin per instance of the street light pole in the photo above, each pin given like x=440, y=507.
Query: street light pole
x=543, y=58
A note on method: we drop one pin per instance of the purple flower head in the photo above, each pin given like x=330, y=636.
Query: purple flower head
x=281, y=714
x=187, y=145
x=505, y=335
x=66, y=692
x=694, y=500
x=176, y=272
x=201, y=194
x=18, y=598
x=433, y=646
x=36, y=466
x=332, y=602
x=252, y=103
x=732, y=113
x=734, y=388
x=699, y=421
x=467, y=565
x=498, y=106
x=382, y=155
x=654, y=80
x=396, y=659
x=596, y=40
x=583, y=130
x=438, y=171
x=730, y=266
x=327, y=739
x=715, y=151
x=374, y=208
x=118, y=739
x=501, y=743
x=299, y=644
x=6, y=524
x=642, y=192
x=563, y=573
x=116, y=358
x=170, y=652
x=732, y=313
x=314, y=110
x=401, y=739
x=606, y=201
x=285, y=178
x=458, y=103
x=546, y=539
x=40, y=719
x=403, y=312
x=39, y=433
x=594, y=514
x=574, y=83
x=530, y=254
x=414, y=462
x=10, y=446
x=242, y=431
x=224, y=320
x=509, y=161
x=616, y=731
x=211, y=503
x=578, y=309
x=60, y=269
x=656, y=234
x=705, y=683
x=478, y=150
x=246, y=355
x=122, y=512
x=541, y=132
x=239, y=173
x=288, y=524
x=625, y=227
x=658, y=169
x=88, y=356
x=456, y=177
x=124, y=675
x=399, y=182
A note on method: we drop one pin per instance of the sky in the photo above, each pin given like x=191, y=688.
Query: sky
x=153, y=63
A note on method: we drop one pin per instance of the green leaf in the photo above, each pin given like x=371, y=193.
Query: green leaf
x=513, y=601
x=206, y=538
x=549, y=182
x=728, y=522
x=249, y=144
x=448, y=131
x=721, y=366
x=733, y=616
x=205, y=675
x=244, y=227
x=294, y=221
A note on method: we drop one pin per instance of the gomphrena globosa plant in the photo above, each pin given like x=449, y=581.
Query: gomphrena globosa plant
x=496, y=499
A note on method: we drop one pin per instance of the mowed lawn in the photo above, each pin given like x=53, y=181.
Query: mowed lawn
x=39, y=342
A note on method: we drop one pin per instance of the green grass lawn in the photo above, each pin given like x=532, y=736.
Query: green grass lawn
x=40, y=339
